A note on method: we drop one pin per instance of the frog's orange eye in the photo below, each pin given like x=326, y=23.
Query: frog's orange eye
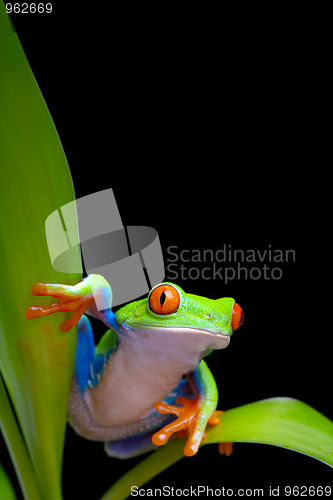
x=237, y=317
x=164, y=299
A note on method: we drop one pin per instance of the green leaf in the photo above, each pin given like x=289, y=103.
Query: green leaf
x=6, y=489
x=17, y=448
x=283, y=422
x=36, y=358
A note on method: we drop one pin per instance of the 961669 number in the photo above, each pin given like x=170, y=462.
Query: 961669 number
x=29, y=8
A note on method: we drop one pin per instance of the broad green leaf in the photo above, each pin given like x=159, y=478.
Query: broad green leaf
x=284, y=422
x=17, y=448
x=36, y=358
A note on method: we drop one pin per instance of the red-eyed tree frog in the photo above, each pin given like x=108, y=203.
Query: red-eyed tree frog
x=146, y=379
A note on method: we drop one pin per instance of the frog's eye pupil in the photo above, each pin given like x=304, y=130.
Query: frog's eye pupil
x=164, y=299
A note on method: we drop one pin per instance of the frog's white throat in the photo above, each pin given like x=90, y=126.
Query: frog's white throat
x=159, y=357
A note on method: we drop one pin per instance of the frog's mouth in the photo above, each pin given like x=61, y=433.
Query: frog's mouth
x=181, y=335
x=218, y=339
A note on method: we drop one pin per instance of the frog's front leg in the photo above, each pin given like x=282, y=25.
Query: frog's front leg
x=194, y=414
x=78, y=298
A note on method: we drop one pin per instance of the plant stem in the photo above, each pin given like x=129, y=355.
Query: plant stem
x=150, y=467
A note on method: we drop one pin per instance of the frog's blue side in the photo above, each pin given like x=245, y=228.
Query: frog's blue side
x=90, y=362
x=85, y=349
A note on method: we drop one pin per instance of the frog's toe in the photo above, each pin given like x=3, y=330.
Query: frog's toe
x=214, y=419
x=225, y=448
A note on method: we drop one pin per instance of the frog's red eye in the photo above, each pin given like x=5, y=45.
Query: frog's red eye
x=237, y=317
x=164, y=299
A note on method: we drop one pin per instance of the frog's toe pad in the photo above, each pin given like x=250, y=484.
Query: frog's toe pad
x=214, y=419
x=225, y=449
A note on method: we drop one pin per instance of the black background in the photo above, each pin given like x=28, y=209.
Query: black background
x=200, y=133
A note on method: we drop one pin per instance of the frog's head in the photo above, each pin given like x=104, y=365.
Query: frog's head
x=186, y=320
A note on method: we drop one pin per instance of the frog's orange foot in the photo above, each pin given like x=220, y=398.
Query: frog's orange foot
x=72, y=298
x=188, y=419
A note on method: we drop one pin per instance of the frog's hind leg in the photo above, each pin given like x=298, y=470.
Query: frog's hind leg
x=194, y=414
x=138, y=444
x=134, y=445
x=131, y=446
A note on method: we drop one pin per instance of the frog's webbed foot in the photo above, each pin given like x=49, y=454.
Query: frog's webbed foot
x=190, y=418
x=75, y=298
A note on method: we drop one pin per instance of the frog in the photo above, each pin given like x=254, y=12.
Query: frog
x=146, y=380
